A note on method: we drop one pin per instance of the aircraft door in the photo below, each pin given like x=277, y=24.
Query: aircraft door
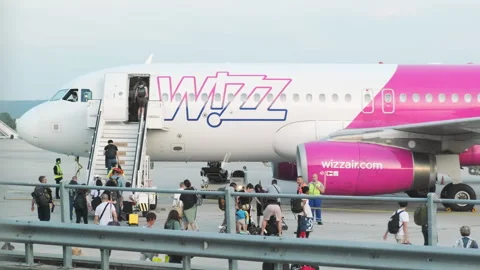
x=388, y=101
x=115, y=98
x=155, y=117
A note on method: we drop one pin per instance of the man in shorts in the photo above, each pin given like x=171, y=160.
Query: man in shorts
x=272, y=209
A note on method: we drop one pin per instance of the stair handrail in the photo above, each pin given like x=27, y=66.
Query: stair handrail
x=138, y=151
x=143, y=153
x=93, y=145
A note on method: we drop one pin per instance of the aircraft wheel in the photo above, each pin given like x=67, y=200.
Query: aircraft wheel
x=421, y=193
x=461, y=192
x=444, y=193
x=154, y=206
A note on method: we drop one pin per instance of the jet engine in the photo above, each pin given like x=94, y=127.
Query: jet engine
x=284, y=171
x=363, y=169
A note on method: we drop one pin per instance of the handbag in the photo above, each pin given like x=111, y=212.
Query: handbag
x=306, y=224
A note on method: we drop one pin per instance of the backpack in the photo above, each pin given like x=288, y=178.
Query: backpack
x=79, y=202
x=393, y=226
x=96, y=202
x=141, y=91
x=461, y=244
x=296, y=205
x=421, y=214
x=40, y=197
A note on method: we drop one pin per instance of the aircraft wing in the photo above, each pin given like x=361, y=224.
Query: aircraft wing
x=470, y=126
x=444, y=128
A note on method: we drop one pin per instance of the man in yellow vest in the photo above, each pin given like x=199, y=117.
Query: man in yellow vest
x=58, y=176
x=316, y=188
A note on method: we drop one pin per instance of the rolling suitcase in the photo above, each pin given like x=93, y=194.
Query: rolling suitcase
x=133, y=220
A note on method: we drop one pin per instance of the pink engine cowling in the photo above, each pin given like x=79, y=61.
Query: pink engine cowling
x=470, y=157
x=284, y=171
x=354, y=168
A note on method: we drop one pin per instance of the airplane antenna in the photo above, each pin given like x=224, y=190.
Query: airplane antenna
x=149, y=59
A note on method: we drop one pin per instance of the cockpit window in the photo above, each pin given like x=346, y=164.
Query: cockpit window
x=71, y=96
x=59, y=95
x=86, y=95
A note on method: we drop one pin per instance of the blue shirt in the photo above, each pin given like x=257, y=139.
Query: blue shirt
x=241, y=214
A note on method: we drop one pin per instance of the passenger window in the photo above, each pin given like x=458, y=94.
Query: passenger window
x=218, y=97
x=442, y=98
x=416, y=98
x=231, y=97
x=388, y=97
x=244, y=97
x=348, y=98
x=335, y=97
x=455, y=98
x=269, y=97
x=164, y=97
x=256, y=97
x=367, y=98
x=178, y=97
x=309, y=97
x=403, y=97
x=468, y=98
x=296, y=97
x=191, y=97
x=72, y=95
x=283, y=97
x=429, y=98
x=204, y=97
x=322, y=98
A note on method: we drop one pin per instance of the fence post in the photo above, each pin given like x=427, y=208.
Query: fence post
x=432, y=220
x=231, y=224
x=29, y=254
x=187, y=263
x=105, y=259
x=65, y=213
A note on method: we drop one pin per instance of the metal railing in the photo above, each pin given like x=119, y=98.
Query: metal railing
x=93, y=147
x=138, y=152
x=277, y=250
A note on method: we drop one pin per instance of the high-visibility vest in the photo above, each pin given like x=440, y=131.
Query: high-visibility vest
x=59, y=172
x=312, y=190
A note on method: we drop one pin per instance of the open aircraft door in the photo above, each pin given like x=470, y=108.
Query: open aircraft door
x=115, y=97
x=155, y=117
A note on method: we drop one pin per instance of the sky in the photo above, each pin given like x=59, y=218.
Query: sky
x=44, y=44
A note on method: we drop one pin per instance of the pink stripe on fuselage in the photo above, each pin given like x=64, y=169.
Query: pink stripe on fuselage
x=425, y=79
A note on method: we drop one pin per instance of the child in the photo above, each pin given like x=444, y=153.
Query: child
x=466, y=241
x=151, y=218
x=242, y=219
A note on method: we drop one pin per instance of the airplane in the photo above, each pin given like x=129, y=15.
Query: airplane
x=368, y=129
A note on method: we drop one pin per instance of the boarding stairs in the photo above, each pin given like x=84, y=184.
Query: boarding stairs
x=7, y=132
x=108, y=118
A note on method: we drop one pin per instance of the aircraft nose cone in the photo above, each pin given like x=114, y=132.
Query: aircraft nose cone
x=27, y=127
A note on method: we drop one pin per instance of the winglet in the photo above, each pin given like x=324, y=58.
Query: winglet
x=149, y=59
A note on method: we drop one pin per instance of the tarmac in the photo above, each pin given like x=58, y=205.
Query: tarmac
x=342, y=220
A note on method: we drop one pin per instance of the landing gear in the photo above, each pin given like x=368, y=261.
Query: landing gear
x=458, y=192
x=421, y=193
x=474, y=170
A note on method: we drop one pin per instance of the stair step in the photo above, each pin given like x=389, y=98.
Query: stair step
x=120, y=131
x=120, y=127
x=118, y=142
x=119, y=136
